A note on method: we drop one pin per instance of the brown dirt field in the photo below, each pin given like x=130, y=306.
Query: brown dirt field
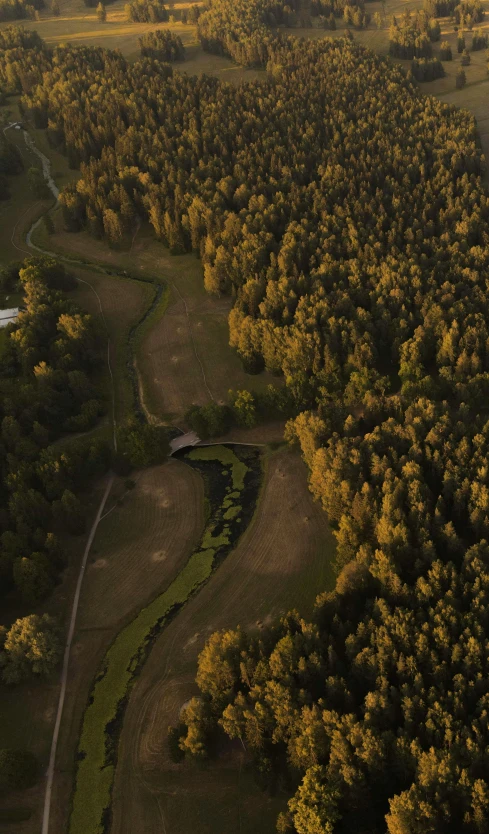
x=163, y=512
x=282, y=561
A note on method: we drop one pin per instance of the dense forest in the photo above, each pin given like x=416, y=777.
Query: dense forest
x=346, y=214
x=46, y=365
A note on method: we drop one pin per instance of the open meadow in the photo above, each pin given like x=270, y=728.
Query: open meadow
x=183, y=355
x=282, y=561
x=141, y=544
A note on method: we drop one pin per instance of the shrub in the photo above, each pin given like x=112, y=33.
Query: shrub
x=460, y=79
x=445, y=51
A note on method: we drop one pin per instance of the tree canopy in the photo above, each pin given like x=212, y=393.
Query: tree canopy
x=346, y=214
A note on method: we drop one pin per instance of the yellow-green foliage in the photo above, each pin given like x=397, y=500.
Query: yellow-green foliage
x=232, y=512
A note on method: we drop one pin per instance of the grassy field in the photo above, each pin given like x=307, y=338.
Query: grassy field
x=139, y=548
x=184, y=357
x=124, y=302
x=282, y=561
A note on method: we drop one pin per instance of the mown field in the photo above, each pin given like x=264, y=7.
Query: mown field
x=282, y=562
x=139, y=548
x=183, y=356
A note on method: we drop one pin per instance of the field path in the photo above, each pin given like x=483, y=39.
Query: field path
x=46, y=167
x=66, y=660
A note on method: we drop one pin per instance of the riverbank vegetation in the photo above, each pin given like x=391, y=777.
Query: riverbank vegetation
x=235, y=485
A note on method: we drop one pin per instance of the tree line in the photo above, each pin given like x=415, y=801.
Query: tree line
x=18, y=9
x=146, y=11
x=162, y=45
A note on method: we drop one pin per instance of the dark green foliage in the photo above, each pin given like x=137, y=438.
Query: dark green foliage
x=38, y=184
x=147, y=11
x=96, y=3
x=48, y=224
x=469, y=11
x=162, y=45
x=465, y=59
x=18, y=770
x=30, y=648
x=445, y=51
x=142, y=444
x=190, y=15
x=18, y=9
x=23, y=58
x=412, y=39
x=210, y=420
x=175, y=734
x=9, y=278
x=479, y=40
x=16, y=37
x=427, y=69
x=460, y=79
x=10, y=157
x=10, y=164
x=50, y=354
